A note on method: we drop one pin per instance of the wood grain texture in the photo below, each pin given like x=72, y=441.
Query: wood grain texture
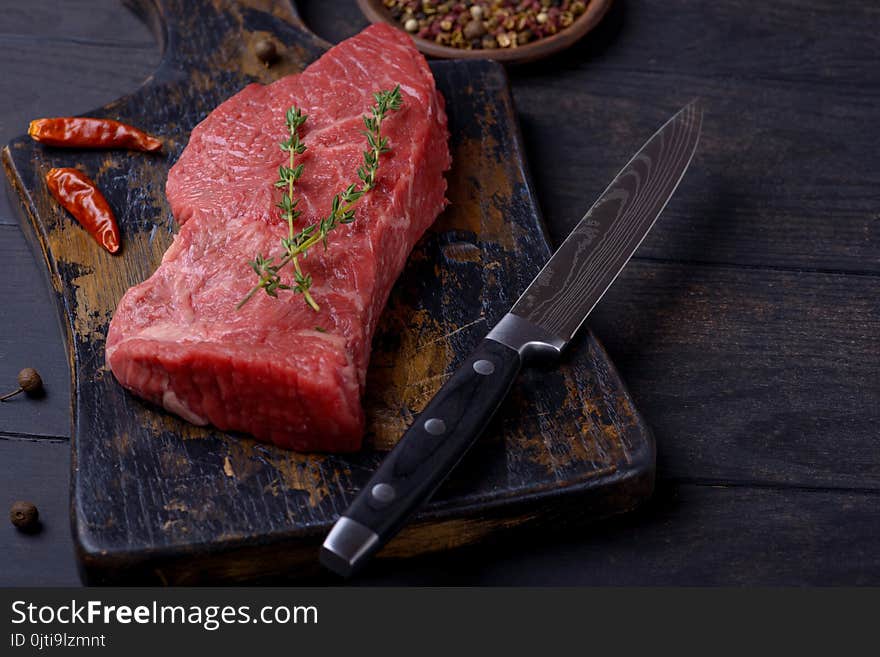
x=802, y=53
x=30, y=337
x=775, y=181
x=82, y=21
x=687, y=535
x=40, y=468
x=782, y=365
x=158, y=499
x=790, y=91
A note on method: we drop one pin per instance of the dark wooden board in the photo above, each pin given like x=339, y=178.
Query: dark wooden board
x=30, y=338
x=38, y=468
x=781, y=365
x=776, y=180
x=157, y=499
x=86, y=22
x=687, y=535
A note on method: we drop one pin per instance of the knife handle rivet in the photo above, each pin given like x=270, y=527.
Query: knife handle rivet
x=383, y=493
x=484, y=367
x=435, y=426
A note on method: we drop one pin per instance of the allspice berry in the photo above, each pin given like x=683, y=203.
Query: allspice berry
x=29, y=382
x=266, y=51
x=24, y=515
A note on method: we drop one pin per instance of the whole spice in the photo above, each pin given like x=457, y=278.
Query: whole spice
x=24, y=515
x=29, y=382
x=80, y=196
x=266, y=51
x=485, y=24
x=80, y=132
x=474, y=30
x=342, y=206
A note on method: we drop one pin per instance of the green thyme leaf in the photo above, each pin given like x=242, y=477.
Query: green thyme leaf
x=297, y=244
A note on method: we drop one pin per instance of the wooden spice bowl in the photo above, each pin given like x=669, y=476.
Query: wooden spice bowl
x=376, y=12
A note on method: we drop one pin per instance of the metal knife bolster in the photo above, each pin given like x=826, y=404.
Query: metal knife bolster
x=533, y=343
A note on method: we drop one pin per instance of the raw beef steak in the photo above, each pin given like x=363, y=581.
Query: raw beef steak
x=276, y=369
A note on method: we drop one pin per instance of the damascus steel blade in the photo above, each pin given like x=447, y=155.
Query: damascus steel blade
x=589, y=260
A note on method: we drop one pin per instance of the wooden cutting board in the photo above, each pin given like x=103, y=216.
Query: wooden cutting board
x=155, y=499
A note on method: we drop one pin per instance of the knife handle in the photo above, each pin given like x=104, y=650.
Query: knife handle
x=424, y=457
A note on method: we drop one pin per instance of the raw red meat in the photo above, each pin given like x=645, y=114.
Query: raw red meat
x=270, y=369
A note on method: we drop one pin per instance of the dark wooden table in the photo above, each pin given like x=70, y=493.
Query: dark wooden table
x=748, y=326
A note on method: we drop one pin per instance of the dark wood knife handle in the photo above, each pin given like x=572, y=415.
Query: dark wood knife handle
x=431, y=447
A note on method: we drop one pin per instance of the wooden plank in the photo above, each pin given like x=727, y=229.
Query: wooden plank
x=79, y=21
x=806, y=40
x=31, y=337
x=751, y=375
x=687, y=536
x=779, y=177
x=36, y=471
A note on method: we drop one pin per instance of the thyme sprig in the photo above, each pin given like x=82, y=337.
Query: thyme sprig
x=297, y=244
x=265, y=268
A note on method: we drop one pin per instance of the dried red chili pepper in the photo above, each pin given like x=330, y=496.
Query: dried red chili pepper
x=78, y=194
x=78, y=132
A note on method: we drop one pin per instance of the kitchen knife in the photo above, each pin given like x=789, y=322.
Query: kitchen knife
x=536, y=330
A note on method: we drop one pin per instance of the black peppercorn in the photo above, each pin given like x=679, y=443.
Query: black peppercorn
x=266, y=51
x=24, y=515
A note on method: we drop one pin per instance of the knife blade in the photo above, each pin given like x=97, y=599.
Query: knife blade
x=537, y=329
